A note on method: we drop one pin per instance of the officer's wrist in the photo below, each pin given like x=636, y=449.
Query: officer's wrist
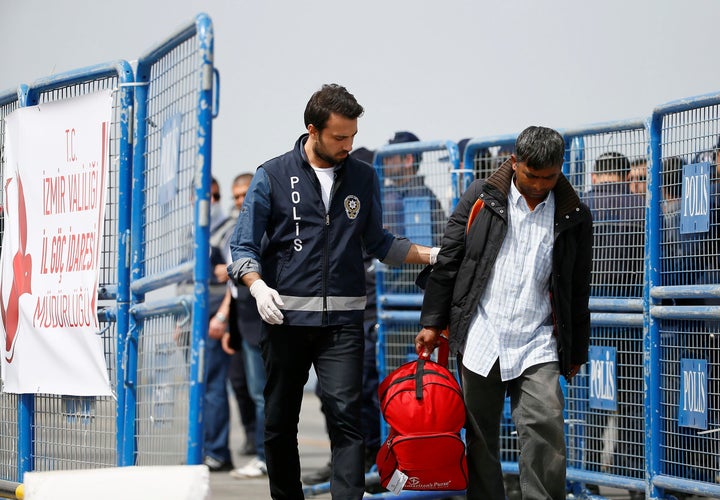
x=221, y=317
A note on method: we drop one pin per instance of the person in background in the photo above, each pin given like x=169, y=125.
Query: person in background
x=319, y=209
x=513, y=288
x=226, y=323
x=217, y=409
x=637, y=176
x=403, y=185
x=619, y=224
x=242, y=342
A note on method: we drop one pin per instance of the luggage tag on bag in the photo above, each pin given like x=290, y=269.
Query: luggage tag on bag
x=397, y=481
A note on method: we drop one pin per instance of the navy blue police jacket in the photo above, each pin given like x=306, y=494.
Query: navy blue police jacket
x=313, y=256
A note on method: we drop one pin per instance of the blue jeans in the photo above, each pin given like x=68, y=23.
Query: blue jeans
x=255, y=376
x=217, y=408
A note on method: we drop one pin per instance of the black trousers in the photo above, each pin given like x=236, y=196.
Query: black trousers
x=337, y=355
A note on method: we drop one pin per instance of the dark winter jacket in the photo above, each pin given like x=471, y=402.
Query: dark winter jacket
x=458, y=280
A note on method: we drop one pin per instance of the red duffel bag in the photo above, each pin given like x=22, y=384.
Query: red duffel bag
x=423, y=404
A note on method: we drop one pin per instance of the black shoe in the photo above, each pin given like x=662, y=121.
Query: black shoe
x=593, y=489
x=216, y=465
x=637, y=495
x=321, y=475
x=248, y=449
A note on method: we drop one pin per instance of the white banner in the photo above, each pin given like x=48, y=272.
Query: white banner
x=54, y=191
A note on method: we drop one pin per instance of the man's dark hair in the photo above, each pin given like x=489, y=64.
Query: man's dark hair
x=612, y=163
x=540, y=147
x=331, y=98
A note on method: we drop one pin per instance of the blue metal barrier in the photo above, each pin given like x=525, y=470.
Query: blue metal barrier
x=682, y=358
x=605, y=400
x=171, y=186
x=45, y=432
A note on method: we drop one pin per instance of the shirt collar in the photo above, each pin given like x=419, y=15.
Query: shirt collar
x=517, y=199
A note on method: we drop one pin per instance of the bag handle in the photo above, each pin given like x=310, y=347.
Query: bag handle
x=442, y=360
x=443, y=349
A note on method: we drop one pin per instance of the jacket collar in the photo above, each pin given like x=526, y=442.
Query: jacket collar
x=566, y=199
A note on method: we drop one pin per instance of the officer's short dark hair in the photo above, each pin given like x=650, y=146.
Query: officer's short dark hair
x=331, y=98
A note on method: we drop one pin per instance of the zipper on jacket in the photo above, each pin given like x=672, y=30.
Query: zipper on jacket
x=326, y=265
x=326, y=256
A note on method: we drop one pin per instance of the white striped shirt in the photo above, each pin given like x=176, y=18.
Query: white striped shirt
x=514, y=317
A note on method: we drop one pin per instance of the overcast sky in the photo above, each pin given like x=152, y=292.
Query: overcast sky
x=443, y=69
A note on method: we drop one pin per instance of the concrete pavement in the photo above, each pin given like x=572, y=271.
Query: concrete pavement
x=314, y=454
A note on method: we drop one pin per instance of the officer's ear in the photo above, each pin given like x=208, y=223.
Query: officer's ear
x=313, y=131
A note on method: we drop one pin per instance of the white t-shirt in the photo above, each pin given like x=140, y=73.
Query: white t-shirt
x=326, y=176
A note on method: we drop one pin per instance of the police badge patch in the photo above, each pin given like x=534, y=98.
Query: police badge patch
x=352, y=206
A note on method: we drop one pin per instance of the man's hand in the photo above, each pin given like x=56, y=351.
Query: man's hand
x=268, y=300
x=217, y=328
x=221, y=273
x=426, y=341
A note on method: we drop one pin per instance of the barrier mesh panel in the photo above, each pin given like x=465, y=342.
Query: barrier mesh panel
x=162, y=391
x=417, y=199
x=168, y=222
x=689, y=258
x=168, y=240
x=604, y=440
x=608, y=170
x=689, y=452
x=487, y=159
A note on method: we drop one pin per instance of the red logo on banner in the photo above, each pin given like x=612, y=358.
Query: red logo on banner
x=21, y=281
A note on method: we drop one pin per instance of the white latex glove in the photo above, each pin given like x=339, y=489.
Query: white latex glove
x=268, y=300
x=434, y=251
